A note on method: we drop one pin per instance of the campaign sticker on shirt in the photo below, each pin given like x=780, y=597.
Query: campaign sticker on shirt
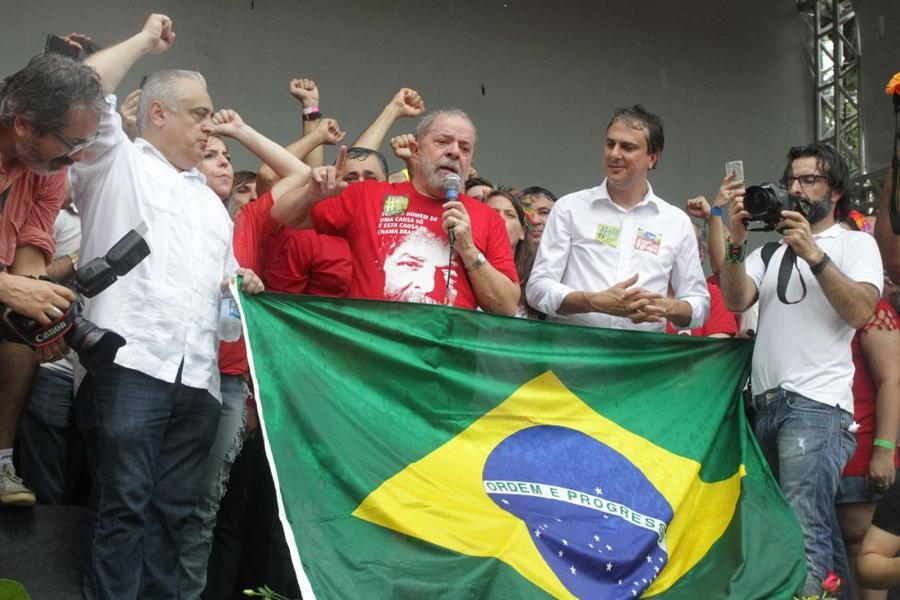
x=395, y=205
x=608, y=234
x=648, y=241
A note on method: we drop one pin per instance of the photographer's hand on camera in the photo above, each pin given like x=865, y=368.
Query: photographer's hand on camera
x=795, y=229
x=40, y=300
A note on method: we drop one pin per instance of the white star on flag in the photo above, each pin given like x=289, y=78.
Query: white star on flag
x=609, y=568
x=598, y=491
x=504, y=501
x=560, y=553
x=649, y=559
x=596, y=538
x=572, y=568
x=565, y=542
x=537, y=533
x=608, y=547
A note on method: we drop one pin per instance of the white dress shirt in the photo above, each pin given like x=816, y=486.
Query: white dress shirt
x=167, y=307
x=805, y=347
x=590, y=243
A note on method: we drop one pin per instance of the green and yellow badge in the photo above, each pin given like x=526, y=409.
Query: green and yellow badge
x=395, y=205
x=608, y=234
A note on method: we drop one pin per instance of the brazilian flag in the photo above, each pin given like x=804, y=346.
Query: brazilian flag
x=429, y=452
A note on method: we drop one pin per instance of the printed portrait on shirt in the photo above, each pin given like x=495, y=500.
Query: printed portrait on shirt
x=415, y=269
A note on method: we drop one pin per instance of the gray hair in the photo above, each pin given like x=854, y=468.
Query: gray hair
x=46, y=90
x=163, y=87
x=428, y=121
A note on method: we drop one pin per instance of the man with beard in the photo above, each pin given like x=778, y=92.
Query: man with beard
x=802, y=367
x=378, y=218
x=49, y=113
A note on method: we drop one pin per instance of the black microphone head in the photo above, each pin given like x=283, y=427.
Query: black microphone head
x=453, y=182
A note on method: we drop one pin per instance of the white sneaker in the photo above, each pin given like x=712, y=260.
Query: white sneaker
x=12, y=492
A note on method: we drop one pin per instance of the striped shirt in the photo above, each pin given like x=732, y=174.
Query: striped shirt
x=29, y=211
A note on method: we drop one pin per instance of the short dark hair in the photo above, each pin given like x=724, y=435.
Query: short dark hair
x=473, y=181
x=638, y=117
x=360, y=153
x=536, y=190
x=46, y=89
x=833, y=167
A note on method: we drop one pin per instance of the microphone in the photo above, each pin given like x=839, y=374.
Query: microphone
x=452, y=181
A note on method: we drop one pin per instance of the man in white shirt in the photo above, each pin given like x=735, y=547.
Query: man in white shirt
x=802, y=364
x=149, y=420
x=609, y=254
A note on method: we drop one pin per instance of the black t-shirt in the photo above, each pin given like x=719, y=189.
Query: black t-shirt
x=887, y=515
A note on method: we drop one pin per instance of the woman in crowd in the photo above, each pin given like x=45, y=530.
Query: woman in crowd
x=507, y=205
x=876, y=408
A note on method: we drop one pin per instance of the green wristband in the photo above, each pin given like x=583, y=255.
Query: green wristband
x=885, y=443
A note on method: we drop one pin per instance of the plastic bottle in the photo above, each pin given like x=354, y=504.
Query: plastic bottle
x=230, y=329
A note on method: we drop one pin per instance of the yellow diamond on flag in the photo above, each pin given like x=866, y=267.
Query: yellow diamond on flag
x=652, y=518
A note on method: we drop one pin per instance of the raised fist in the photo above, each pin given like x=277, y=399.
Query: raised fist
x=128, y=110
x=409, y=102
x=698, y=207
x=158, y=31
x=330, y=131
x=305, y=91
x=227, y=122
x=401, y=146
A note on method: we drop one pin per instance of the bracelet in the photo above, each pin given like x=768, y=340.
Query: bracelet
x=820, y=266
x=311, y=116
x=735, y=253
x=883, y=443
x=310, y=109
x=715, y=211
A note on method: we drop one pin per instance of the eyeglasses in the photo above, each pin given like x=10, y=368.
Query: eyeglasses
x=806, y=181
x=76, y=147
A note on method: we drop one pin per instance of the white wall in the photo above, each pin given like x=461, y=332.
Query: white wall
x=730, y=79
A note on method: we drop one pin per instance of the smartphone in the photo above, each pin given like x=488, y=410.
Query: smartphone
x=736, y=167
x=57, y=45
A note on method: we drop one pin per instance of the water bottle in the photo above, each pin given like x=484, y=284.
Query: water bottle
x=230, y=329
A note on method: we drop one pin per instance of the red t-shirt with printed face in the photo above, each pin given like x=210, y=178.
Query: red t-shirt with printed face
x=399, y=249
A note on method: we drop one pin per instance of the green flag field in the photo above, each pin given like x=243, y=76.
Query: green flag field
x=429, y=452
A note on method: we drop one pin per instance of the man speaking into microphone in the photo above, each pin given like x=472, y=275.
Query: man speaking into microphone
x=400, y=234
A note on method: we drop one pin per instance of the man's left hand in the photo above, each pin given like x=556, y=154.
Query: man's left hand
x=795, y=229
x=644, y=306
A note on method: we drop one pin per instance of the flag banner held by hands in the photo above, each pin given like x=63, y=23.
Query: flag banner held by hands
x=429, y=452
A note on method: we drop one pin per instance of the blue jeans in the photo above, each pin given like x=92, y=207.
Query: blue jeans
x=197, y=535
x=147, y=443
x=45, y=434
x=807, y=444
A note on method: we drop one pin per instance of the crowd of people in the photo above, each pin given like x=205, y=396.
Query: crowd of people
x=162, y=441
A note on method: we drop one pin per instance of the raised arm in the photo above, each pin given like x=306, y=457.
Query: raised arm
x=112, y=63
x=405, y=103
x=228, y=123
x=294, y=204
x=327, y=131
x=738, y=289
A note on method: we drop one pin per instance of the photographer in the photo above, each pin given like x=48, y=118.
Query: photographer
x=802, y=366
x=149, y=420
x=49, y=113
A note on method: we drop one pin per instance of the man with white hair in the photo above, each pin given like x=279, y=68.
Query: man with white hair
x=378, y=218
x=149, y=419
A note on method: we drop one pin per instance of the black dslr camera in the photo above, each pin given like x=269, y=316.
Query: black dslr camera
x=765, y=202
x=96, y=347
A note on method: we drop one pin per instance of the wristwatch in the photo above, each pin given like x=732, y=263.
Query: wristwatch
x=479, y=262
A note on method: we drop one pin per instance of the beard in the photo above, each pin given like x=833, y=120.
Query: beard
x=435, y=179
x=29, y=154
x=813, y=210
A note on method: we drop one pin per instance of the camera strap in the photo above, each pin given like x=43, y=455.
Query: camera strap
x=37, y=336
x=788, y=264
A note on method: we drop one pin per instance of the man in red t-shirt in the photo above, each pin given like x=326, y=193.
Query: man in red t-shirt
x=398, y=233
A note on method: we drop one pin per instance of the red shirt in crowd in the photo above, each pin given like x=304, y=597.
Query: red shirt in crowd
x=399, y=249
x=865, y=392
x=30, y=209
x=720, y=319
x=295, y=261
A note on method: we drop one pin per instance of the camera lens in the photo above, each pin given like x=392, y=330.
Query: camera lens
x=96, y=347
